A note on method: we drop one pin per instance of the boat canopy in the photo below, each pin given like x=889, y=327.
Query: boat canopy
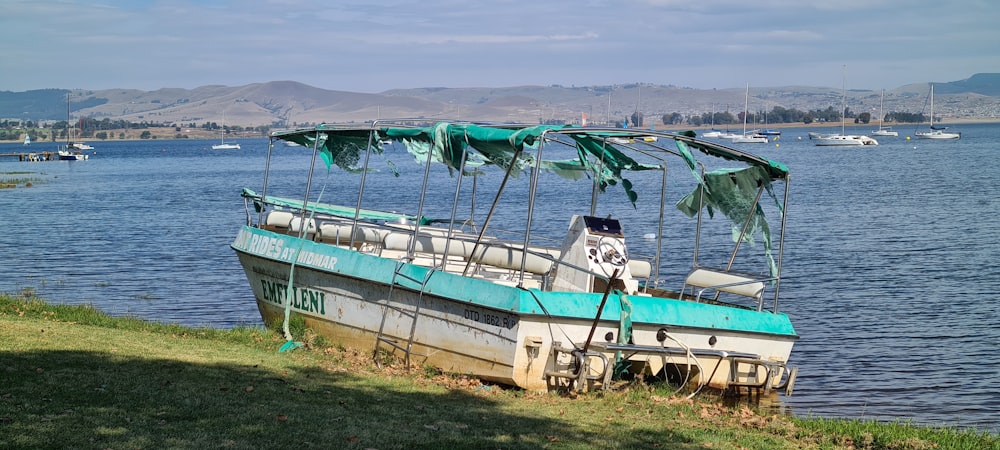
x=503, y=145
x=600, y=152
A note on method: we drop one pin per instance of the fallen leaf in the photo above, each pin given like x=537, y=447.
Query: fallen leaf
x=282, y=418
x=249, y=389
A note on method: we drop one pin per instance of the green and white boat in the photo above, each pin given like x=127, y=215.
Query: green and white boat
x=543, y=257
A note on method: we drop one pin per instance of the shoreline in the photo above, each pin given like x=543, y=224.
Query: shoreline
x=172, y=135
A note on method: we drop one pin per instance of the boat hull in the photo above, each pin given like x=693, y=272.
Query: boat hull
x=938, y=135
x=843, y=140
x=65, y=155
x=491, y=330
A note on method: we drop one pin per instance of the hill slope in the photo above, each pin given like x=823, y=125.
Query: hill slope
x=290, y=103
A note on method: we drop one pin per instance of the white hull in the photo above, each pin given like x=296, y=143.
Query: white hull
x=71, y=156
x=750, y=139
x=226, y=147
x=937, y=134
x=464, y=337
x=844, y=140
x=884, y=132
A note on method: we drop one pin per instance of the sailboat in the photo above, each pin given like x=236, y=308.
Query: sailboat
x=713, y=133
x=222, y=145
x=27, y=139
x=883, y=131
x=73, y=150
x=843, y=139
x=936, y=132
x=745, y=138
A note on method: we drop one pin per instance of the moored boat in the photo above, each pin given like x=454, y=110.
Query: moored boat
x=842, y=139
x=541, y=281
x=936, y=132
x=883, y=131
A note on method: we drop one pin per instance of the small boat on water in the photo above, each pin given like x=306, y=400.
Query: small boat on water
x=883, y=131
x=936, y=132
x=73, y=150
x=842, y=139
x=752, y=137
x=542, y=257
x=223, y=145
x=72, y=155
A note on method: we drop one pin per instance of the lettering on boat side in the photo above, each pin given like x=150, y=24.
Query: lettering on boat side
x=503, y=321
x=272, y=247
x=306, y=300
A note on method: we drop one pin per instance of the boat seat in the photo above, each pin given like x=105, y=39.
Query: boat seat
x=510, y=258
x=278, y=220
x=295, y=226
x=722, y=281
x=341, y=234
x=640, y=268
x=432, y=244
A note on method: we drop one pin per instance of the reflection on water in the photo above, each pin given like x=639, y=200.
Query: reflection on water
x=890, y=273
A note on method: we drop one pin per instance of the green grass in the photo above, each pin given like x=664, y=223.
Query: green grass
x=73, y=377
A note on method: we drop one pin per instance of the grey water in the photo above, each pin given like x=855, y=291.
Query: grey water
x=890, y=264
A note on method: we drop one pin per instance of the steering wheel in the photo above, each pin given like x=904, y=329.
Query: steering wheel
x=612, y=251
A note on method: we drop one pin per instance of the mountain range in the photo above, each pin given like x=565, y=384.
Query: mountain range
x=290, y=103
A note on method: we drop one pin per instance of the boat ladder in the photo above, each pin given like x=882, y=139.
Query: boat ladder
x=735, y=381
x=580, y=371
x=413, y=314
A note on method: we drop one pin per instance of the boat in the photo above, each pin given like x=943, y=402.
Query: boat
x=530, y=256
x=712, y=133
x=73, y=151
x=752, y=137
x=883, y=131
x=936, y=132
x=769, y=132
x=222, y=145
x=842, y=139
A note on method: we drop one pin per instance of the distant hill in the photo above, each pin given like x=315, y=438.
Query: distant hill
x=290, y=103
x=980, y=83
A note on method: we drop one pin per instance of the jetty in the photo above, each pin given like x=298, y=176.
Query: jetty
x=32, y=156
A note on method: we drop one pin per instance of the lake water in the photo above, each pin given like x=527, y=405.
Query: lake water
x=890, y=270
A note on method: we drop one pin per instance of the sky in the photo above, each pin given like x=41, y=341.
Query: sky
x=373, y=46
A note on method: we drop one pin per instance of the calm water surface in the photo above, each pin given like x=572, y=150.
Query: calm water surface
x=891, y=278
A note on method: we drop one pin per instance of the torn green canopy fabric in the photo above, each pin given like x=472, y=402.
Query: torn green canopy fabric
x=732, y=192
x=446, y=143
x=341, y=148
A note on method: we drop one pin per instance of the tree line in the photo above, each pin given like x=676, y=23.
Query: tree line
x=90, y=128
x=779, y=114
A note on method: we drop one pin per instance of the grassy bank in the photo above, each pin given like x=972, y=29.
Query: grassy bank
x=72, y=377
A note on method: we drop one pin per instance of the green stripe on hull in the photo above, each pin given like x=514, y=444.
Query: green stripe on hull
x=571, y=305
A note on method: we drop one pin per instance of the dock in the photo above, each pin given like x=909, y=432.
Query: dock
x=32, y=156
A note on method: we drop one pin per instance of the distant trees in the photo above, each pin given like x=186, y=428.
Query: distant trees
x=672, y=119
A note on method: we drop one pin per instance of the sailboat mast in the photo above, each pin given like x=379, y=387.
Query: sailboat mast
x=746, y=106
x=881, y=109
x=932, y=106
x=843, y=90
